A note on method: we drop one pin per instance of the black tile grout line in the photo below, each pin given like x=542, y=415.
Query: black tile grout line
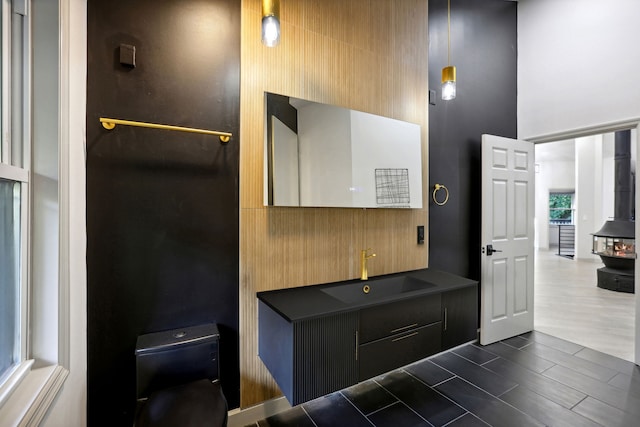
x=517, y=348
x=534, y=372
x=465, y=414
x=474, y=362
x=584, y=361
x=308, y=416
x=555, y=381
x=498, y=398
x=488, y=361
x=569, y=409
x=552, y=337
x=383, y=408
x=399, y=400
x=581, y=400
x=627, y=394
x=517, y=363
x=357, y=409
x=479, y=388
x=517, y=336
x=589, y=360
x=507, y=391
x=600, y=401
x=487, y=369
x=435, y=385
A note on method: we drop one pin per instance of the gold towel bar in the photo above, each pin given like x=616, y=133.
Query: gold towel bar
x=111, y=123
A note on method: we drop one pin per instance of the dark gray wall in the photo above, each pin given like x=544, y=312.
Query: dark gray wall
x=162, y=206
x=484, y=50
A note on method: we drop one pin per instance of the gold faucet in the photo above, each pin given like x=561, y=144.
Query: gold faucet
x=364, y=256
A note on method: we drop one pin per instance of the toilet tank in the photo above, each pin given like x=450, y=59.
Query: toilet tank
x=169, y=358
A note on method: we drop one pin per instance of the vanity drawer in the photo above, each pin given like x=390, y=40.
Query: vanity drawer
x=396, y=317
x=393, y=352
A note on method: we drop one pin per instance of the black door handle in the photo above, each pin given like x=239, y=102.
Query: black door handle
x=490, y=250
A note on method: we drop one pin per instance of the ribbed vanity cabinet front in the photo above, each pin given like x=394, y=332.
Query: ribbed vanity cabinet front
x=387, y=354
x=388, y=319
x=309, y=358
x=325, y=358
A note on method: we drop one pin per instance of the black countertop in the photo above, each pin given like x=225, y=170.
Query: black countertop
x=309, y=302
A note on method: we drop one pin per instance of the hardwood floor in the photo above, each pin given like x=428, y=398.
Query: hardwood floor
x=569, y=305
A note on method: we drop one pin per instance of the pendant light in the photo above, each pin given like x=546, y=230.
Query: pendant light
x=270, y=22
x=448, y=72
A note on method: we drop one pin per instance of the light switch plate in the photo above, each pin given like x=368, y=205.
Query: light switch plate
x=432, y=97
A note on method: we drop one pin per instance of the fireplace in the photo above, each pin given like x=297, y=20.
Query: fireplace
x=615, y=241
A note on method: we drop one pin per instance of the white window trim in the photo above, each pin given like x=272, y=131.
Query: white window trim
x=27, y=394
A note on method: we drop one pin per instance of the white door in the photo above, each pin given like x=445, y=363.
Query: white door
x=508, y=175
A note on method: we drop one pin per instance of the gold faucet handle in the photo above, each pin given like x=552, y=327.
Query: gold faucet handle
x=365, y=253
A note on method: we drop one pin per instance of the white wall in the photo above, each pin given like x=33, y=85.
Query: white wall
x=587, y=202
x=578, y=64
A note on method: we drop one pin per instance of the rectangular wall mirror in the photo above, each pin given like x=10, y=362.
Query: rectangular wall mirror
x=319, y=155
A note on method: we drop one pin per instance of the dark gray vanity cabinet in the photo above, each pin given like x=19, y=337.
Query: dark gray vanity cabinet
x=315, y=342
x=459, y=316
x=309, y=358
x=396, y=334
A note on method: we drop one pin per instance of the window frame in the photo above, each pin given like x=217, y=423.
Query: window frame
x=30, y=388
x=571, y=208
x=13, y=110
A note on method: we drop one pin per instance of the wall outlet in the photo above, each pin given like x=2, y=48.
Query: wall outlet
x=421, y=234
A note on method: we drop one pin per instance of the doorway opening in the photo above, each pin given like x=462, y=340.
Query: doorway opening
x=568, y=302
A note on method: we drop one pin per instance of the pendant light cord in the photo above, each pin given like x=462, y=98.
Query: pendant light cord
x=448, y=32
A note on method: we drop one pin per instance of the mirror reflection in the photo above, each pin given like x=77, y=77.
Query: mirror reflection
x=320, y=155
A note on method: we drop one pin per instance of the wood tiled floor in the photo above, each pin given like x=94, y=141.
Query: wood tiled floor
x=531, y=380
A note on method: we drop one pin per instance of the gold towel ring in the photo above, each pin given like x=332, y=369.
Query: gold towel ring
x=435, y=190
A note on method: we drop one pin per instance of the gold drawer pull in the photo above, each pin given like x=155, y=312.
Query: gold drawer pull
x=404, y=337
x=404, y=327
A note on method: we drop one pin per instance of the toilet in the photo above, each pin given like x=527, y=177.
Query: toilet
x=177, y=379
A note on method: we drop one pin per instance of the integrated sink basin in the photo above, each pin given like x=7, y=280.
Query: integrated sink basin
x=376, y=289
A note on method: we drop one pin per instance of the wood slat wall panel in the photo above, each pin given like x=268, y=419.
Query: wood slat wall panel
x=365, y=55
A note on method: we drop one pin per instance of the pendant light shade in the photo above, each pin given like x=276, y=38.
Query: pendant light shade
x=448, y=72
x=270, y=22
x=448, y=82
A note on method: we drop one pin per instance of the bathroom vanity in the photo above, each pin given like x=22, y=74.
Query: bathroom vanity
x=318, y=339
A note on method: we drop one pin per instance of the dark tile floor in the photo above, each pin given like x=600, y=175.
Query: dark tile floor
x=530, y=380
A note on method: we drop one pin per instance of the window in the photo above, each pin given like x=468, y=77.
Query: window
x=14, y=189
x=560, y=208
x=9, y=275
x=35, y=233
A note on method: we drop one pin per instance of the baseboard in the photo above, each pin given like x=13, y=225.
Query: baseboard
x=251, y=415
